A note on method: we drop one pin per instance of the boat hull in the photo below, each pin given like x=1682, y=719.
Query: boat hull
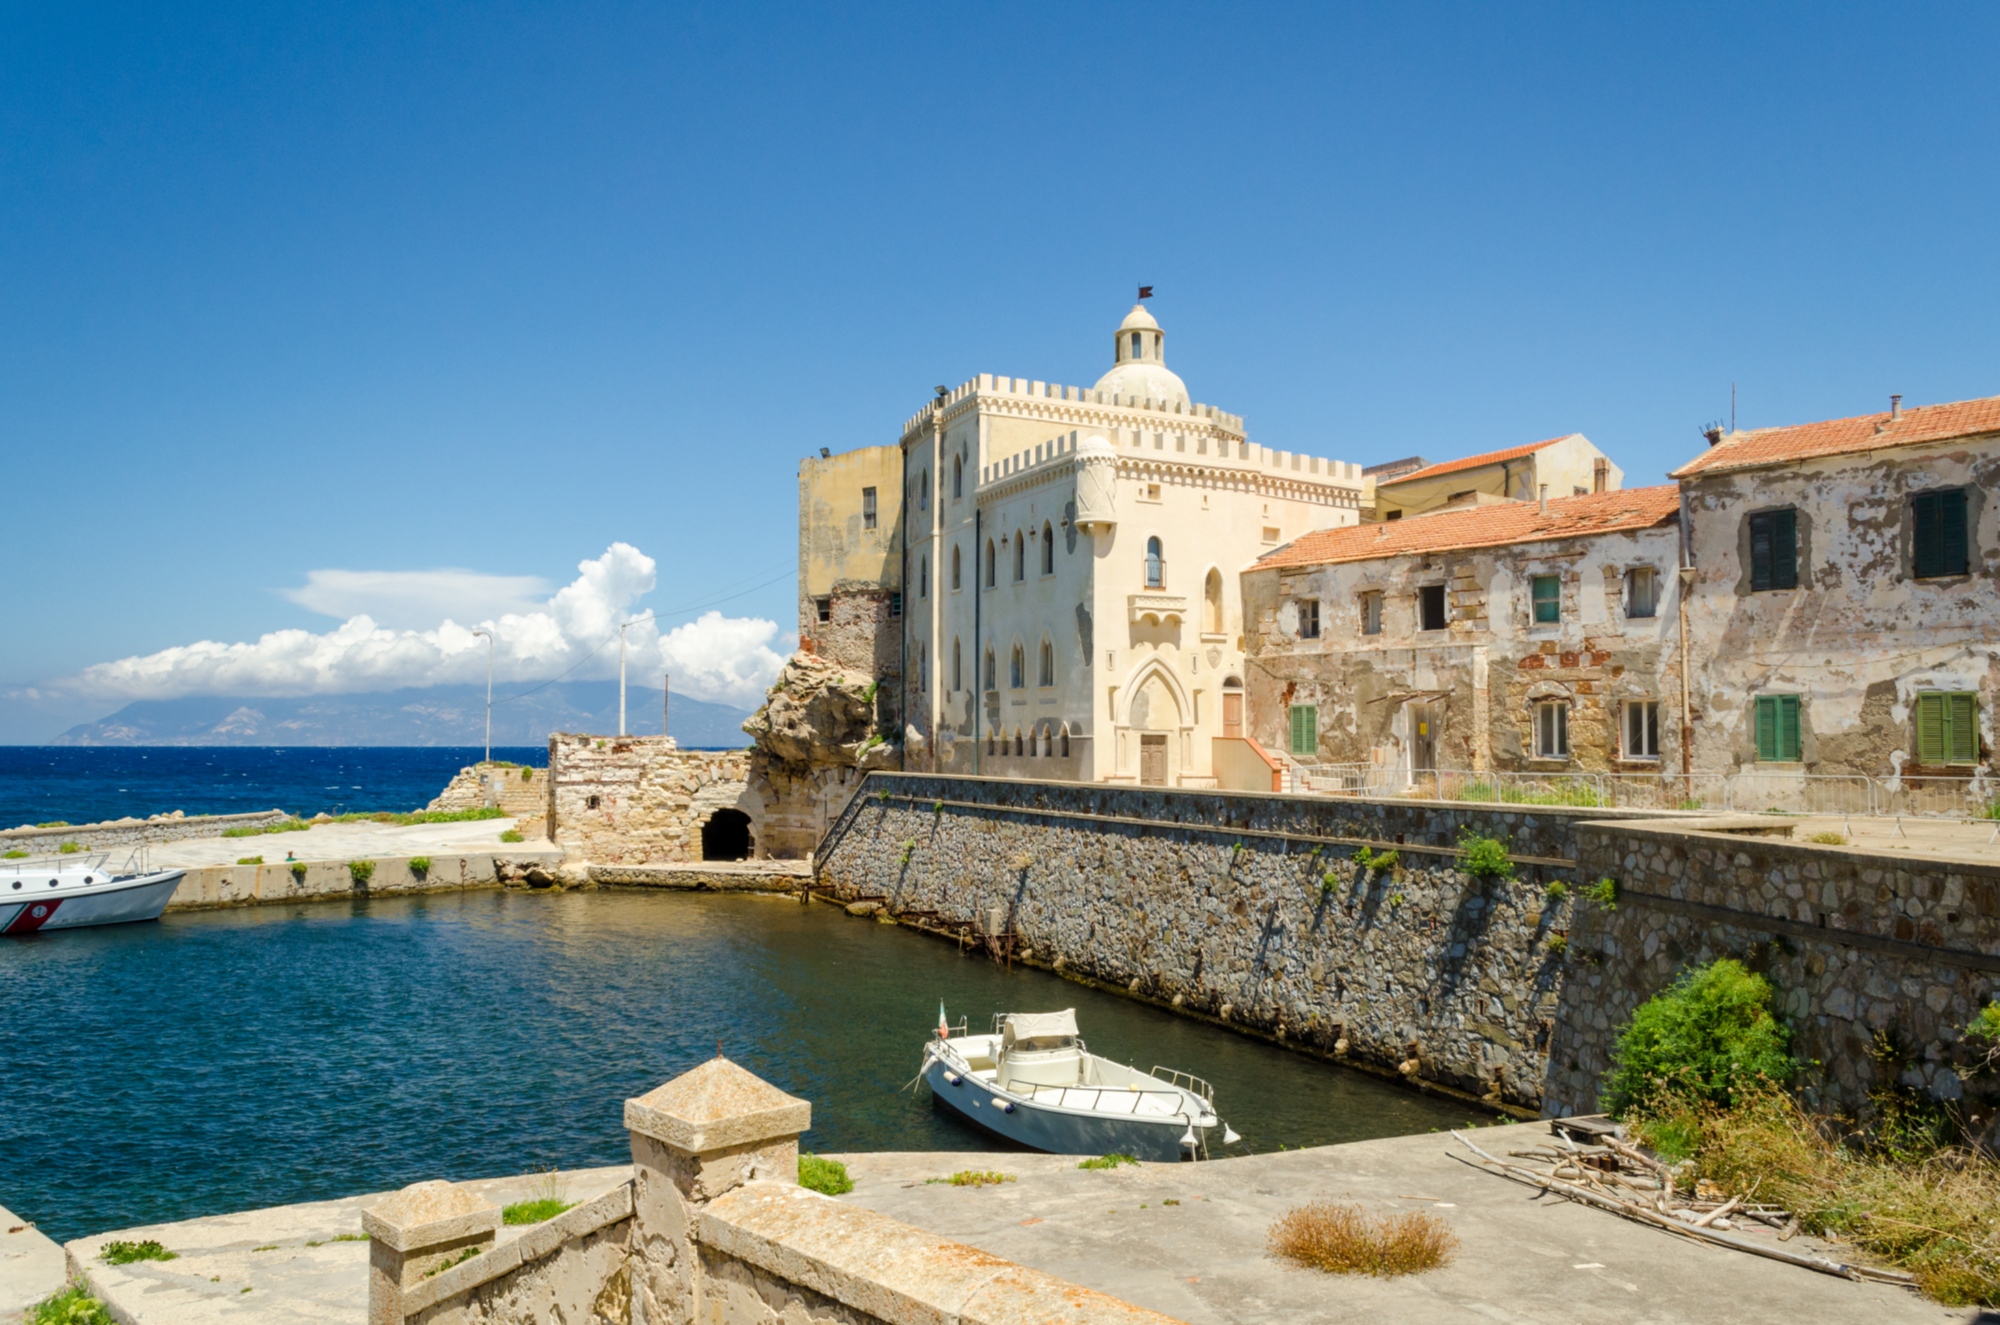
x=1055, y=1131
x=120, y=902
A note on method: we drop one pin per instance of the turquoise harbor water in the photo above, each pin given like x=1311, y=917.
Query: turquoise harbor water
x=227, y=1060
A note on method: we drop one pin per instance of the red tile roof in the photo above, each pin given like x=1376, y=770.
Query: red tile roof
x=1864, y=432
x=1473, y=461
x=1483, y=526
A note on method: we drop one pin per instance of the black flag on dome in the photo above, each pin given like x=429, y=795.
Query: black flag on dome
x=1145, y=292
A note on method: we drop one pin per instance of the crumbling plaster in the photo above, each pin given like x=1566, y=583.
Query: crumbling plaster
x=1860, y=637
x=1486, y=670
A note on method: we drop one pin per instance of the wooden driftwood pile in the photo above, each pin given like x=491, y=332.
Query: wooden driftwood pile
x=1589, y=1160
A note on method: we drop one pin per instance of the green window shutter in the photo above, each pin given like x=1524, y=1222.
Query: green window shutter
x=1931, y=743
x=1784, y=552
x=1767, y=729
x=1312, y=729
x=1951, y=533
x=1924, y=551
x=1305, y=729
x=1962, y=724
x=1788, y=728
x=1760, y=556
x=1548, y=599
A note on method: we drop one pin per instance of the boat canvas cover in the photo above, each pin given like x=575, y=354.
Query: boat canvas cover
x=1041, y=1030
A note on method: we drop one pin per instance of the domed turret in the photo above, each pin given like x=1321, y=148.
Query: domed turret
x=1096, y=479
x=1140, y=362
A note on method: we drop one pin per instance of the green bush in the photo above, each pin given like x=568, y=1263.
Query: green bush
x=1706, y=1039
x=70, y=848
x=1111, y=1161
x=512, y=835
x=249, y=860
x=124, y=1253
x=1366, y=860
x=1558, y=944
x=16, y=854
x=71, y=1306
x=53, y=823
x=299, y=870
x=284, y=826
x=1485, y=857
x=1604, y=892
x=1556, y=891
x=361, y=871
x=827, y=1176
x=420, y=865
x=527, y=774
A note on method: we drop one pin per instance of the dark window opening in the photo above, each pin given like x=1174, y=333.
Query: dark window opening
x=1774, y=550
x=591, y=802
x=1309, y=618
x=895, y=604
x=824, y=608
x=868, y=508
x=1430, y=607
x=1941, y=547
x=726, y=836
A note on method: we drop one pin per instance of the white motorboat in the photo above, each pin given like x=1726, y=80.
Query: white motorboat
x=69, y=892
x=1034, y=1082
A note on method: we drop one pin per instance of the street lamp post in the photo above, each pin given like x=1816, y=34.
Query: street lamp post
x=623, y=627
x=489, y=692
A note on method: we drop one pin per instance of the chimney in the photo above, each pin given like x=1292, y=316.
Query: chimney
x=1895, y=408
x=1545, y=499
x=1713, y=432
x=1600, y=474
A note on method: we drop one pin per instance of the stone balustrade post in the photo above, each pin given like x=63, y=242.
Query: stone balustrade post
x=415, y=1232
x=704, y=1133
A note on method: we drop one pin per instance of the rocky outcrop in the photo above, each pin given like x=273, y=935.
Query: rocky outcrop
x=820, y=729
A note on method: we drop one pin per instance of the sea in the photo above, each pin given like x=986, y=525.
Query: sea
x=84, y=784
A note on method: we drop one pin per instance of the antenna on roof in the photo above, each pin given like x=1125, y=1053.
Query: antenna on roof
x=1732, y=407
x=1713, y=432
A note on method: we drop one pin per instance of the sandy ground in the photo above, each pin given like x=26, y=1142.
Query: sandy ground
x=1937, y=839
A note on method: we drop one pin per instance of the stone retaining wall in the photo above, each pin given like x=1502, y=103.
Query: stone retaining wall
x=1249, y=907
x=1857, y=944
x=641, y=800
x=113, y=833
x=213, y=886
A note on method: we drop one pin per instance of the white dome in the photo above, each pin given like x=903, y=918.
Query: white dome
x=1095, y=444
x=1140, y=369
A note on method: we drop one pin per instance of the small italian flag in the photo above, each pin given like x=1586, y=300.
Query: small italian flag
x=944, y=1027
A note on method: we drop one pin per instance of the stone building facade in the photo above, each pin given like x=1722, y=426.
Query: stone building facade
x=1566, y=466
x=1071, y=602
x=1846, y=594
x=851, y=561
x=1526, y=637
x=641, y=800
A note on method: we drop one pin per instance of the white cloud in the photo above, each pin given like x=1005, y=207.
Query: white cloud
x=729, y=659
x=414, y=599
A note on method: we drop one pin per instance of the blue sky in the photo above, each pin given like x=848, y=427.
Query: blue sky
x=292, y=294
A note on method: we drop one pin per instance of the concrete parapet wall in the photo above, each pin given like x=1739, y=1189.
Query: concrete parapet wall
x=329, y=880
x=113, y=833
x=1857, y=945
x=1251, y=908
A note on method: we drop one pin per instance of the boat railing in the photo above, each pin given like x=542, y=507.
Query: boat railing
x=1187, y=1081
x=94, y=861
x=1034, y=1092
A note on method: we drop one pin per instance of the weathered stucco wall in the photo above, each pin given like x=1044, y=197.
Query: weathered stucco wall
x=1859, y=637
x=1857, y=945
x=1481, y=676
x=1193, y=905
x=640, y=800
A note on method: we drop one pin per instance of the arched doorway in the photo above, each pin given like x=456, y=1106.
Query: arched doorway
x=726, y=836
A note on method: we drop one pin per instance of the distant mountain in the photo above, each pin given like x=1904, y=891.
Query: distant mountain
x=434, y=715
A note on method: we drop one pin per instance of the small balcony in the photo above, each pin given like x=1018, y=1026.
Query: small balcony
x=1158, y=609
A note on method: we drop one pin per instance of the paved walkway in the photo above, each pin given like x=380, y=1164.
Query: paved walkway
x=1524, y=1257
x=1935, y=839
x=353, y=841
x=31, y=1265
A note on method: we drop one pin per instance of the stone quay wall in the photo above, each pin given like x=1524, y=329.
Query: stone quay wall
x=1857, y=945
x=641, y=800
x=208, y=887
x=521, y=791
x=1250, y=907
x=113, y=833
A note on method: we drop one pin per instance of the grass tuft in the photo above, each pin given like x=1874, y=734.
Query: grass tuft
x=512, y=835
x=1107, y=1162
x=249, y=860
x=445, y=1264
x=1345, y=1239
x=826, y=1176
x=69, y=848
x=15, y=854
x=53, y=823
x=534, y=1211
x=975, y=1178
x=1485, y=857
x=420, y=865
x=1828, y=839
x=361, y=871
x=72, y=1305
x=124, y=1253
x=350, y=1237
x=299, y=870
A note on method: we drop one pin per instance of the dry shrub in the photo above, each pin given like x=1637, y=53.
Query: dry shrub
x=1935, y=1214
x=1345, y=1239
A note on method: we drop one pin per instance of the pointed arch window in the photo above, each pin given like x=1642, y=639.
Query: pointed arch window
x=1016, y=667
x=924, y=577
x=989, y=670
x=989, y=563
x=1156, y=564
x=1020, y=557
x=1047, y=670
x=958, y=476
x=1017, y=742
x=957, y=581
x=1065, y=740
x=1135, y=346
x=957, y=673
x=1048, y=549
x=924, y=491
x=1211, y=602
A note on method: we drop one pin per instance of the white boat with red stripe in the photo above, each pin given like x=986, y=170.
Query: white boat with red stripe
x=69, y=892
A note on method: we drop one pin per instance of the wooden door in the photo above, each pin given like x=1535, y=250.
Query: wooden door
x=1232, y=713
x=1153, y=761
x=1423, y=731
